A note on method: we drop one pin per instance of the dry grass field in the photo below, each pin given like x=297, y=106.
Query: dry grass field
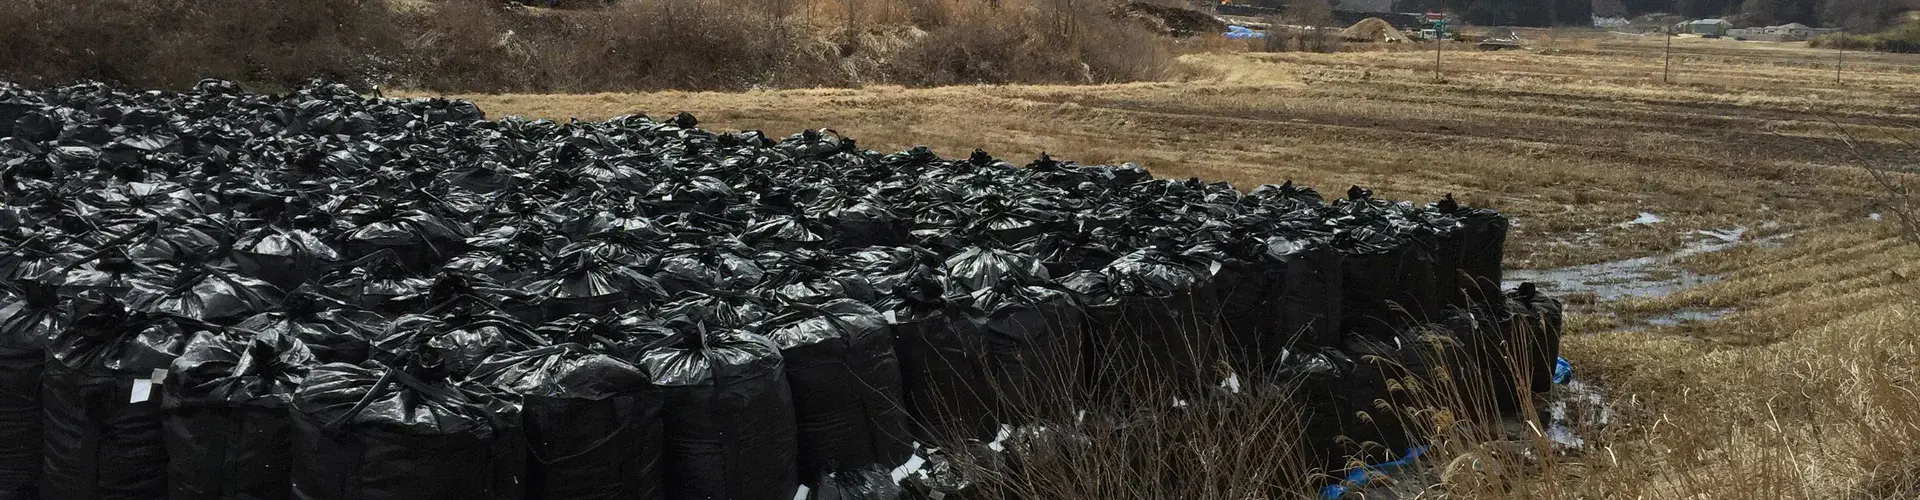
x=1804, y=390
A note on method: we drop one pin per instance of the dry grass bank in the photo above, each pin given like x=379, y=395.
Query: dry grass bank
x=482, y=46
x=1806, y=392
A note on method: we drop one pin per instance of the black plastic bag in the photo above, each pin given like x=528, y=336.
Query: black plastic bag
x=1382, y=404
x=846, y=386
x=1032, y=337
x=376, y=283
x=720, y=267
x=862, y=223
x=873, y=482
x=332, y=330
x=624, y=335
x=1484, y=377
x=942, y=355
x=452, y=345
x=103, y=430
x=892, y=272
x=287, y=257
x=729, y=416
x=1387, y=281
x=1163, y=329
x=1538, y=321
x=584, y=283
x=958, y=473
x=363, y=432
x=592, y=422
x=980, y=268
x=27, y=322
x=1316, y=380
x=204, y=294
x=421, y=240
x=226, y=399
x=1307, y=305
x=1483, y=239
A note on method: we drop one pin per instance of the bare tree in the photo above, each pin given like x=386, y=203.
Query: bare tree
x=1309, y=12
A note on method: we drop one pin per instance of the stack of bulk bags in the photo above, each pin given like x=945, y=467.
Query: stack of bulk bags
x=846, y=386
x=1277, y=292
x=1164, y=331
x=940, y=348
x=226, y=401
x=1536, y=322
x=1031, y=331
x=381, y=431
x=27, y=321
x=103, y=429
x=592, y=422
x=730, y=423
x=1388, y=273
x=1483, y=237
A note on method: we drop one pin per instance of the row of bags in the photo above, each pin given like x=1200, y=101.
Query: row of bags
x=683, y=412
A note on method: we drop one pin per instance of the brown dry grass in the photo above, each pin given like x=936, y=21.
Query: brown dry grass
x=482, y=46
x=1806, y=392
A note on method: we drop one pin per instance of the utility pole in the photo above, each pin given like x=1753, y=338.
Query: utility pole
x=1439, y=33
x=1666, y=73
x=1840, y=63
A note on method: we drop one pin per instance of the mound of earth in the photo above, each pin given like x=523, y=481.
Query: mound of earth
x=1173, y=21
x=1372, y=29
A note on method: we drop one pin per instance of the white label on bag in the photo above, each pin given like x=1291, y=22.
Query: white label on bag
x=800, y=494
x=159, y=376
x=900, y=473
x=142, y=390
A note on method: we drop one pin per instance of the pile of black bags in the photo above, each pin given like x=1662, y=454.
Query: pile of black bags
x=315, y=295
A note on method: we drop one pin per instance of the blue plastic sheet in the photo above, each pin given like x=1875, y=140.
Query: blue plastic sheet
x=1359, y=477
x=1242, y=32
x=1562, y=371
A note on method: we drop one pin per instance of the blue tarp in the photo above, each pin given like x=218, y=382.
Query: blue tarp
x=1360, y=476
x=1243, y=32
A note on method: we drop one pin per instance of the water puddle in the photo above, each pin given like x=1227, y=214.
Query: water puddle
x=1689, y=315
x=1645, y=277
x=1648, y=277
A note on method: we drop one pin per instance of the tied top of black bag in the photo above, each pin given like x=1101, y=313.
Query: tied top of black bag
x=569, y=371
x=29, y=318
x=698, y=356
x=238, y=367
x=386, y=398
x=839, y=320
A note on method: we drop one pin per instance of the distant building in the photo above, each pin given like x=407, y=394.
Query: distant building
x=1367, y=6
x=1790, y=32
x=1715, y=27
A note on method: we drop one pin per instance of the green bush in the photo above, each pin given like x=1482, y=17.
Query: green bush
x=1903, y=38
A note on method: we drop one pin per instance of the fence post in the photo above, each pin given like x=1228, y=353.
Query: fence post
x=1837, y=65
x=1666, y=73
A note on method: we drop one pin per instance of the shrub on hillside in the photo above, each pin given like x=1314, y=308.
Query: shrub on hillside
x=1903, y=38
x=480, y=45
x=174, y=43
